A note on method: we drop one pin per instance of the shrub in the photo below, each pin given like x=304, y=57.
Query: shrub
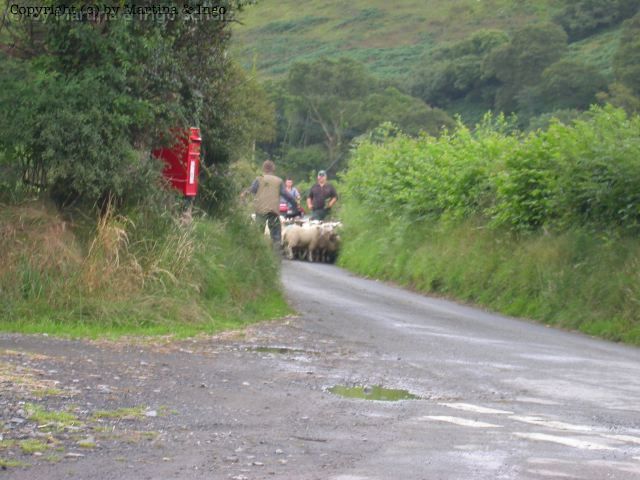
x=582, y=18
x=583, y=174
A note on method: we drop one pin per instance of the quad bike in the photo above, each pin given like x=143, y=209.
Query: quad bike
x=287, y=212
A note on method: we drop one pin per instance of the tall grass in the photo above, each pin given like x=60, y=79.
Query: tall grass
x=132, y=274
x=574, y=280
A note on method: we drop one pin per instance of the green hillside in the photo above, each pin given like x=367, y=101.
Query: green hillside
x=390, y=38
x=338, y=69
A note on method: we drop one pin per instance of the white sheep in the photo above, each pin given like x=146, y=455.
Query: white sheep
x=313, y=240
x=325, y=245
x=297, y=239
x=333, y=246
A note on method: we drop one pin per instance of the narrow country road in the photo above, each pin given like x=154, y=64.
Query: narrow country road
x=498, y=398
x=502, y=398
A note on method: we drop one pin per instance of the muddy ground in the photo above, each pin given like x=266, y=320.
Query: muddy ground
x=211, y=407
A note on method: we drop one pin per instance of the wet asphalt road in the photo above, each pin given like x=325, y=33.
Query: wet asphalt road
x=502, y=398
x=499, y=398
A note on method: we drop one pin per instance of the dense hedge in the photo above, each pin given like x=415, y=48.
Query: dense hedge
x=584, y=174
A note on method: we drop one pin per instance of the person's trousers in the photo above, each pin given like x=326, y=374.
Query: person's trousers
x=272, y=220
x=319, y=214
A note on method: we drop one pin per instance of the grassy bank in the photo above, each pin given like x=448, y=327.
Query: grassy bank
x=134, y=274
x=542, y=225
x=575, y=280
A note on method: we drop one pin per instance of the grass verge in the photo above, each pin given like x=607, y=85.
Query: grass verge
x=576, y=280
x=137, y=274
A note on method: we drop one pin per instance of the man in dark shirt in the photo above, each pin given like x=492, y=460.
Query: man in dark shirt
x=322, y=197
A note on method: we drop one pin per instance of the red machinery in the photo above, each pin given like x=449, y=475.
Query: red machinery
x=182, y=162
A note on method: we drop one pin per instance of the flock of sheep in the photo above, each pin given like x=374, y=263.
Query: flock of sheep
x=311, y=240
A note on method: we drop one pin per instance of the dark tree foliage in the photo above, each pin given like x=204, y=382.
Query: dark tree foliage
x=328, y=94
x=565, y=85
x=620, y=96
x=301, y=163
x=322, y=106
x=626, y=62
x=455, y=71
x=411, y=114
x=545, y=120
x=520, y=62
x=568, y=84
x=581, y=18
x=85, y=98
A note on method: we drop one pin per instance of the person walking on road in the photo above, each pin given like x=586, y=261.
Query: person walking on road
x=322, y=197
x=267, y=190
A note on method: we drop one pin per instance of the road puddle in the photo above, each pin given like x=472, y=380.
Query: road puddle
x=281, y=350
x=375, y=392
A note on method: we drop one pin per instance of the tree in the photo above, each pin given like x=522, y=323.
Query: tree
x=520, y=62
x=621, y=96
x=545, y=120
x=581, y=18
x=330, y=94
x=323, y=105
x=303, y=163
x=626, y=62
x=565, y=85
x=244, y=117
x=411, y=114
x=455, y=71
x=88, y=99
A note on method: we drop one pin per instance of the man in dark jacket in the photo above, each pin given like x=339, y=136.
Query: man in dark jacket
x=321, y=198
x=268, y=188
